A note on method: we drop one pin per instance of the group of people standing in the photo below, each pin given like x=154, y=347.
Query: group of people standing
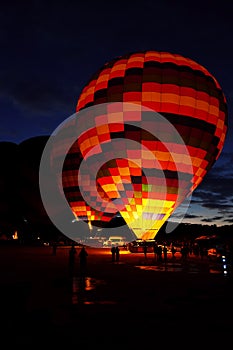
x=160, y=252
x=115, y=250
x=82, y=259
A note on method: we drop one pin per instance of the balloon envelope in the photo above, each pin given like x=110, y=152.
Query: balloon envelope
x=142, y=182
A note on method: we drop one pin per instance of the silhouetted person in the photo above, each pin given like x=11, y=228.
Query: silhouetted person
x=145, y=250
x=202, y=252
x=72, y=254
x=159, y=253
x=196, y=250
x=184, y=252
x=165, y=253
x=113, y=251
x=117, y=252
x=155, y=249
x=173, y=250
x=83, y=261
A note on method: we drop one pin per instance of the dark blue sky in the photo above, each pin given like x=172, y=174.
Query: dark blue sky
x=50, y=49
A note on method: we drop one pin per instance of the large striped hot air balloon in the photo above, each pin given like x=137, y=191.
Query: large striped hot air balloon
x=147, y=97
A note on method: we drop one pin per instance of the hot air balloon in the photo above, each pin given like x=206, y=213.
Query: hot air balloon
x=144, y=98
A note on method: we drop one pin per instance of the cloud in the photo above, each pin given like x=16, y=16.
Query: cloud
x=230, y=220
x=36, y=93
x=215, y=193
x=192, y=216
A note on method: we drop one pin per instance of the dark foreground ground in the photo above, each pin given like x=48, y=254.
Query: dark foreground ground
x=127, y=304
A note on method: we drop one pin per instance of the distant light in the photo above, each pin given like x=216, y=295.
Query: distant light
x=75, y=219
x=15, y=235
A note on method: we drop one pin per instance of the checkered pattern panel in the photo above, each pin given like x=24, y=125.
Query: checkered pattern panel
x=188, y=96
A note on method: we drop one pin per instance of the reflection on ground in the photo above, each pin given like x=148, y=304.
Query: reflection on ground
x=168, y=267
x=84, y=288
x=189, y=268
x=80, y=288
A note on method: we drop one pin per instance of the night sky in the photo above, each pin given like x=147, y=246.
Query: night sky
x=49, y=50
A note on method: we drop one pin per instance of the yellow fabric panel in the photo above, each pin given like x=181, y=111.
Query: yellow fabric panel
x=132, y=201
x=117, y=180
x=157, y=203
x=124, y=171
x=135, y=215
x=128, y=207
x=139, y=208
x=125, y=215
x=109, y=187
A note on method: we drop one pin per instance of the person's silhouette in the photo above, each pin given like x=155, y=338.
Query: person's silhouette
x=173, y=250
x=159, y=253
x=113, y=251
x=155, y=250
x=83, y=261
x=145, y=249
x=117, y=252
x=165, y=253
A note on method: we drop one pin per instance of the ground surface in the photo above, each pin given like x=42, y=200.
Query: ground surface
x=135, y=301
